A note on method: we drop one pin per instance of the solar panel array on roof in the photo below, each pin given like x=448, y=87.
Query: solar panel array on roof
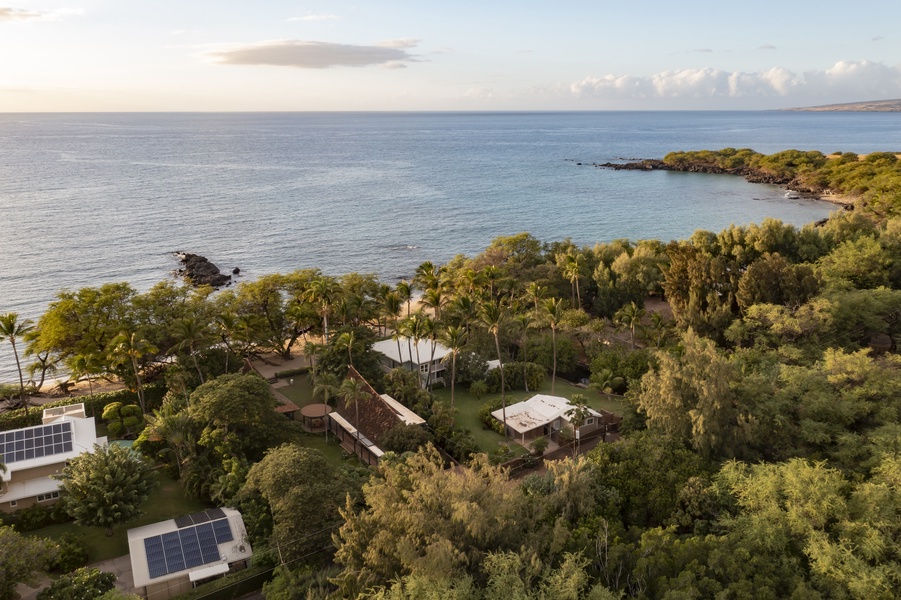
x=186, y=548
x=203, y=516
x=35, y=442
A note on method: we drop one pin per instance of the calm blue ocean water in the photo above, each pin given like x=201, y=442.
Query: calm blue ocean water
x=93, y=198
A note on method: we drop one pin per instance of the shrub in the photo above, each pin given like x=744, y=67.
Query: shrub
x=513, y=377
x=405, y=438
x=539, y=445
x=124, y=420
x=81, y=584
x=73, y=553
x=488, y=421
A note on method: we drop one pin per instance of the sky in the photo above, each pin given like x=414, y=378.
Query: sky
x=335, y=55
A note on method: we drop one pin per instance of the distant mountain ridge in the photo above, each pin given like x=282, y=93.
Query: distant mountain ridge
x=871, y=106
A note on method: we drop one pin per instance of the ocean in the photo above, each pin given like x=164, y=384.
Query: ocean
x=92, y=198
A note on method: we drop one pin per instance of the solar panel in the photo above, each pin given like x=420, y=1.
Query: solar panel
x=35, y=442
x=189, y=547
x=203, y=516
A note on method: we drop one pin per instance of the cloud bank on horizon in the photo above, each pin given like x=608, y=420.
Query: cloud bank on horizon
x=863, y=80
x=316, y=55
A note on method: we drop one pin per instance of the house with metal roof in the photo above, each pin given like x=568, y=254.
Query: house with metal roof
x=543, y=415
x=33, y=455
x=172, y=557
x=360, y=428
x=414, y=355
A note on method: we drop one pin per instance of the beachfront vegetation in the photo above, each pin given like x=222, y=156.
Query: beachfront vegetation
x=872, y=181
x=756, y=369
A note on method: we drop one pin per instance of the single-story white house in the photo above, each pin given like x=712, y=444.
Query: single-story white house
x=33, y=455
x=171, y=557
x=414, y=356
x=543, y=415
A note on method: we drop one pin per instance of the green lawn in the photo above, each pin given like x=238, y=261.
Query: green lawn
x=488, y=440
x=332, y=450
x=300, y=392
x=165, y=502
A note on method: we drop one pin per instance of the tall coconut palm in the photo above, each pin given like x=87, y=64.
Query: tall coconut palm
x=347, y=340
x=326, y=387
x=493, y=315
x=354, y=391
x=130, y=348
x=405, y=293
x=430, y=332
x=535, y=293
x=577, y=415
x=570, y=265
x=553, y=312
x=323, y=291
x=226, y=324
x=435, y=299
x=454, y=337
x=11, y=329
x=426, y=276
x=629, y=317
x=523, y=322
x=192, y=335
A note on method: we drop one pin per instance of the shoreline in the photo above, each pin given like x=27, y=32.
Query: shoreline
x=654, y=164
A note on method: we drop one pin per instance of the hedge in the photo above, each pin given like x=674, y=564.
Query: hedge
x=93, y=406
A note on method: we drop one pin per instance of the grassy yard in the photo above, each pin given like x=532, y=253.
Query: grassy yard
x=300, y=392
x=332, y=450
x=165, y=502
x=488, y=440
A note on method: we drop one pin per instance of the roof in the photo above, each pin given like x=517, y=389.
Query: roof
x=378, y=413
x=188, y=544
x=407, y=347
x=537, y=411
x=41, y=445
x=405, y=414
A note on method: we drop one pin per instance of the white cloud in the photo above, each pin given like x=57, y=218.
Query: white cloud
x=18, y=14
x=314, y=18
x=314, y=55
x=401, y=43
x=862, y=80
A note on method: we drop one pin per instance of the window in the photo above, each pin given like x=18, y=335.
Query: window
x=13, y=504
x=48, y=497
x=589, y=421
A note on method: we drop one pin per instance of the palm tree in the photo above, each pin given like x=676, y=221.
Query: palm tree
x=326, y=387
x=577, y=415
x=226, y=325
x=430, y=332
x=535, y=293
x=426, y=276
x=435, y=299
x=174, y=428
x=354, y=391
x=11, y=329
x=347, y=340
x=86, y=366
x=192, y=335
x=322, y=291
x=454, y=338
x=523, y=321
x=553, y=311
x=405, y=293
x=129, y=348
x=571, y=266
x=629, y=317
x=493, y=315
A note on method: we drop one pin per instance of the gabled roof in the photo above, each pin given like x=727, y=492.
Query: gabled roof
x=537, y=411
x=378, y=414
x=376, y=418
x=197, y=544
x=408, y=348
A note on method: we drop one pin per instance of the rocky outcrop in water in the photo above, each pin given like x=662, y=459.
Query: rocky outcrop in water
x=198, y=270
